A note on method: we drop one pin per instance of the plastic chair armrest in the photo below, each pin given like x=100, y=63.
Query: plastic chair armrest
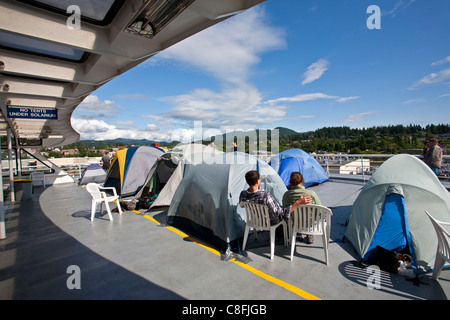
x=109, y=188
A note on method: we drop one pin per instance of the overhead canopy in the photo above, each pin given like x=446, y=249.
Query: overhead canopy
x=50, y=60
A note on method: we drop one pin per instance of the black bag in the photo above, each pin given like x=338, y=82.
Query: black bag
x=387, y=260
x=146, y=202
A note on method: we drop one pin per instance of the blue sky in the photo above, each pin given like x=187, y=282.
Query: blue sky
x=303, y=65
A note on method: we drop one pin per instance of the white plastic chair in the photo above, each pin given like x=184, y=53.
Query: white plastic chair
x=38, y=177
x=311, y=219
x=443, y=248
x=258, y=218
x=100, y=197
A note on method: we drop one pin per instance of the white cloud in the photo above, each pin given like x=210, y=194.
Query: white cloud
x=100, y=130
x=399, y=5
x=93, y=104
x=301, y=98
x=132, y=96
x=432, y=78
x=309, y=97
x=418, y=100
x=232, y=108
x=357, y=117
x=127, y=124
x=229, y=50
x=95, y=129
x=315, y=71
x=345, y=99
x=442, y=61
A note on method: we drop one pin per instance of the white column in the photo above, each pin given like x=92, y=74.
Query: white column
x=11, y=167
x=2, y=204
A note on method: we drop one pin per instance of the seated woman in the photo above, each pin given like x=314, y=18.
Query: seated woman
x=297, y=190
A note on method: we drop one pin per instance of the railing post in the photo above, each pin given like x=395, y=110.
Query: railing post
x=362, y=168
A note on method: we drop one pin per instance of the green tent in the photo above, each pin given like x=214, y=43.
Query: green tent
x=206, y=203
x=390, y=211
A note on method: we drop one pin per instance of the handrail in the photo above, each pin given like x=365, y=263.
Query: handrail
x=364, y=170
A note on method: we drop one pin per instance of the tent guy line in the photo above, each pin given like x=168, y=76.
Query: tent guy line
x=255, y=271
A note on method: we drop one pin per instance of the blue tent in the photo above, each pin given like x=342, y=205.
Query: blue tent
x=392, y=232
x=297, y=160
x=389, y=212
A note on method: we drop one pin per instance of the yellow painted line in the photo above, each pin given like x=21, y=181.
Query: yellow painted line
x=255, y=271
x=184, y=235
x=152, y=219
x=217, y=253
x=279, y=282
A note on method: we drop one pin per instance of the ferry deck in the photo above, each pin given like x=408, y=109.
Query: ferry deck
x=137, y=256
x=52, y=251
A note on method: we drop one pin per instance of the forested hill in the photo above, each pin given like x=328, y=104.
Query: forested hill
x=381, y=139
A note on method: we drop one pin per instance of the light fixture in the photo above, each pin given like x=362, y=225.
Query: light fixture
x=141, y=27
x=155, y=15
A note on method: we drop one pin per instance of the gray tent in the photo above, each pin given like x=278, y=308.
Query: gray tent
x=165, y=176
x=390, y=211
x=130, y=167
x=92, y=173
x=206, y=201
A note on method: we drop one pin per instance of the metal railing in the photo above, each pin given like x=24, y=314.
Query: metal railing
x=365, y=164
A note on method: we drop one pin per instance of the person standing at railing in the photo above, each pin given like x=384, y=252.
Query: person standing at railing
x=433, y=156
x=106, y=161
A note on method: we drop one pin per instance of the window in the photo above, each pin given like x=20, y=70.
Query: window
x=5, y=162
x=40, y=47
x=99, y=12
x=4, y=140
x=29, y=142
x=30, y=164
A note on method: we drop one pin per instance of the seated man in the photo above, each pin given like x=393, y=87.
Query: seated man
x=297, y=189
x=276, y=212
